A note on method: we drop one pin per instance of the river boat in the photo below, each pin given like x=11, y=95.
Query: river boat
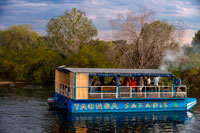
x=76, y=91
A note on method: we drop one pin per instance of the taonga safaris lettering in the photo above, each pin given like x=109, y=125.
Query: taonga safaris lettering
x=100, y=106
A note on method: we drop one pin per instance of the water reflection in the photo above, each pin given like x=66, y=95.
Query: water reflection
x=122, y=122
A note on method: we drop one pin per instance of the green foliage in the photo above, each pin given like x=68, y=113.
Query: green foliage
x=26, y=60
x=196, y=40
x=35, y=62
x=19, y=37
x=92, y=55
x=33, y=65
x=26, y=56
x=68, y=32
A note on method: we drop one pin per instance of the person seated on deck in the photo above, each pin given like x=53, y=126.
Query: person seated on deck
x=178, y=84
x=133, y=83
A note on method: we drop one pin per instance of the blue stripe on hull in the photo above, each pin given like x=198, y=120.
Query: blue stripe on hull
x=125, y=105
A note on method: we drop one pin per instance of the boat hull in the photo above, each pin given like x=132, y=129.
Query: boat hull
x=124, y=105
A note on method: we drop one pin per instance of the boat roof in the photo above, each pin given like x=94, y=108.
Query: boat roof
x=115, y=71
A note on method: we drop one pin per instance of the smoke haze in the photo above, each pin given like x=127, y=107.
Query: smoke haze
x=179, y=59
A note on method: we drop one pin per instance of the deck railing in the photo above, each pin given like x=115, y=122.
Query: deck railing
x=137, y=92
x=65, y=90
x=113, y=92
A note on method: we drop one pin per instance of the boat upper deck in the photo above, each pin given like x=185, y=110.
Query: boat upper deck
x=93, y=83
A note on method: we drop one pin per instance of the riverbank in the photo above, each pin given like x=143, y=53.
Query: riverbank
x=11, y=82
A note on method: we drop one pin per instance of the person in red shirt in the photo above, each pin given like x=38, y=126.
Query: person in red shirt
x=133, y=84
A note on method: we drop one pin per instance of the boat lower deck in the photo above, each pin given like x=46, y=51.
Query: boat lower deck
x=124, y=105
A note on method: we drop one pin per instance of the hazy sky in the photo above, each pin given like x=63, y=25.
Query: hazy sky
x=37, y=13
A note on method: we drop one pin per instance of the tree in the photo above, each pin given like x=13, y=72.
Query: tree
x=30, y=64
x=196, y=40
x=142, y=39
x=19, y=37
x=92, y=55
x=24, y=56
x=70, y=31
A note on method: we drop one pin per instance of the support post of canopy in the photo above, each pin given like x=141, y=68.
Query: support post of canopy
x=118, y=86
x=88, y=85
x=174, y=86
x=75, y=86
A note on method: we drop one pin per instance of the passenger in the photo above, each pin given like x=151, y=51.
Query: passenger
x=126, y=81
x=145, y=81
x=137, y=83
x=129, y=81
x=114, y=81
x=102, y=79
x=133, y=84
x=178, y=84
x=156, y=80
x=149, y=83
x=92, y=81
x=141, y=84
x=98, y=84
x=120, y=81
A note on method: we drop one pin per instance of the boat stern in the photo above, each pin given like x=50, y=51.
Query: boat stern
x=191, y=102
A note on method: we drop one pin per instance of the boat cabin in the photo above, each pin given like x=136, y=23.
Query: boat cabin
x=100, y=83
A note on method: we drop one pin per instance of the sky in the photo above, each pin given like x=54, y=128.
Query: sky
x=38, y=13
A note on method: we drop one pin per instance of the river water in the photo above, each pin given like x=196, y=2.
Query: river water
x=24, y=109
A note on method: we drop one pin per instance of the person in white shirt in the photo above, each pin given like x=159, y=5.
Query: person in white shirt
x=156, y=80
x=149, y=83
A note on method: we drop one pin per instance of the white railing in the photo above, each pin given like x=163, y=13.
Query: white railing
x=145, y=91
x=103, y=92
x=64, y=89
x=137, y=92
x=111, y=92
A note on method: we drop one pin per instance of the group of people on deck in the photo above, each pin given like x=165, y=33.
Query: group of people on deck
x=138, y=83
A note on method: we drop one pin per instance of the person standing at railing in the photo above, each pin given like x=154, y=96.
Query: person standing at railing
x=97, y=83
x=178, y=84
x=127, y=81
x=133, y=83
x=137, y=80
x=156, y=80
x=114, y=81
x=120, y=81
x=101, y=80
x=145, y=81
x=141, y=84
x=148, y=83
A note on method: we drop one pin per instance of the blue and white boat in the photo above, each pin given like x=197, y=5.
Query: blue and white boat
x=75, y=91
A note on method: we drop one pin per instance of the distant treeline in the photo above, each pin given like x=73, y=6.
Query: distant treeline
x=140, y=42
x=26, y=56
